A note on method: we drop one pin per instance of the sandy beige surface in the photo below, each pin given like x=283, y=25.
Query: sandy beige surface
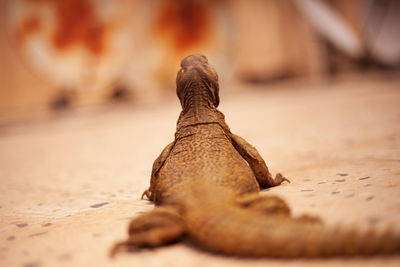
x=69, y=187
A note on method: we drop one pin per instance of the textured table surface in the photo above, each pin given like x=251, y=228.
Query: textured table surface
x=68, y=187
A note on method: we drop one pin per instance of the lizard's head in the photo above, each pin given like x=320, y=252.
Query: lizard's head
x=197, y=74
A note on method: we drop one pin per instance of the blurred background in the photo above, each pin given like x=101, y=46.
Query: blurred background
x=87, y=102
x=59, y=55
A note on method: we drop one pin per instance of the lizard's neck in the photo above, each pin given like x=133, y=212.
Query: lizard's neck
x=198, y=109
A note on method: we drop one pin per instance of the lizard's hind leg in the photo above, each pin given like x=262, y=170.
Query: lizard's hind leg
x=156, y=228
x=273, y=205
x=264, y=204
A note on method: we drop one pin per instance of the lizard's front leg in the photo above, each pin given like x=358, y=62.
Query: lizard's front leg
x=256, y=163
x=158, y=163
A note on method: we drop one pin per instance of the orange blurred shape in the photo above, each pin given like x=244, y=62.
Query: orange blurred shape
x=185, y=23
x=77, y=24
x=27, y=27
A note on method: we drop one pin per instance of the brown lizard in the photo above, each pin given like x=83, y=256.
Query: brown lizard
x=206, y=186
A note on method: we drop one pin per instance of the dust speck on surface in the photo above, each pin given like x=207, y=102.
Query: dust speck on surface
x=11, y=237
x=307, y=190
x=364, y=178
x=65, y=257
x=335, y=192
x=342, y=174
x=350, y=195
x=340, y=180
x=369, y=198
x=20, y=225
x=128, y=218
x=47, y=224
x=38, y=234
x=373, y=220
x=321, y=182
x=98, y=205
x=31, y=264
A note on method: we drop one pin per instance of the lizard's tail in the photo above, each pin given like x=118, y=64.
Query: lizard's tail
x=222, y=227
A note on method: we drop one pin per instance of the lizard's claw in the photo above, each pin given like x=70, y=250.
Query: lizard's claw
x=146, y=193
x=118, y=248
x=279, y=178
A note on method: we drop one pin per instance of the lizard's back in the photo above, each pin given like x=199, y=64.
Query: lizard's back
x=203, y=153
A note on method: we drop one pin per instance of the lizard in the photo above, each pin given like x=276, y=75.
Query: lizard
x=206, y=188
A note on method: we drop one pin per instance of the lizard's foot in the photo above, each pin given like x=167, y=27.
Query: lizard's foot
x=157, y=228
x=146, y=193
x=279, y=178
x=264, y=204
x=309, y=219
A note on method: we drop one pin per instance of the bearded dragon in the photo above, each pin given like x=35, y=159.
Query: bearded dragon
x=206, y=183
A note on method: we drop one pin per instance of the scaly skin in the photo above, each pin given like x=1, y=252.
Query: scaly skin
x=206, y=185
